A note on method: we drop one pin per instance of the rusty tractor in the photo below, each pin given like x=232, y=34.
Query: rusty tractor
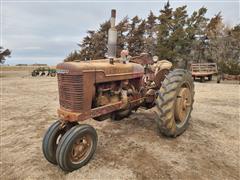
x=113, y=88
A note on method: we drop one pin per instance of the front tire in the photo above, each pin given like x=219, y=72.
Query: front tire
x=174, y=103
x=52, y=138
x=76, y=147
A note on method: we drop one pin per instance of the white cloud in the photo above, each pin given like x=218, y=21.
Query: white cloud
x=31, y=48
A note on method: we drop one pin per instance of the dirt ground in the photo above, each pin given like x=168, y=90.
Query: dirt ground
x=127, y=149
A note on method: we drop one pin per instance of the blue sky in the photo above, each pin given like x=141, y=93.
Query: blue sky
x=47, y=31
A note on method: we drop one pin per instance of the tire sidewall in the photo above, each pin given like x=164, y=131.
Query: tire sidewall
x=49, y=141
x=66, y=144
x=186, y=80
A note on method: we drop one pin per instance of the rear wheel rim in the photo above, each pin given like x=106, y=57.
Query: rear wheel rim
x=81, y=149
x=183, y=106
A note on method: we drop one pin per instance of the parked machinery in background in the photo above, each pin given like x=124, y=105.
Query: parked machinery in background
x=44, y=71
x=204, y=70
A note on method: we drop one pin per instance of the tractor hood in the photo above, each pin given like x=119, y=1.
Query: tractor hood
x=100, y=66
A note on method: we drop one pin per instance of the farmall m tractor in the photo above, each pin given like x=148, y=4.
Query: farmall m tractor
x=113, y=88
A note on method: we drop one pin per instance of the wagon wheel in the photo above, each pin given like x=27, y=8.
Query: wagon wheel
x=218, y=78
x=202, y=79
x=174, y=103
x=210, y=77
x=77, y=147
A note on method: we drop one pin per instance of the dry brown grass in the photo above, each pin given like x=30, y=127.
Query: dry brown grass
x=17, y=71
x=127, y=149
x=18, y=68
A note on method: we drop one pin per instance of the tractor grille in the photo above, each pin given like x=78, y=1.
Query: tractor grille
x=71, y=91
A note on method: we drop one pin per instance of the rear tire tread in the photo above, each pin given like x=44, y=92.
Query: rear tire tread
x=166, y=99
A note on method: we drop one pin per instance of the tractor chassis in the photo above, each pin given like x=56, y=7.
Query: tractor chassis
x=65, y=115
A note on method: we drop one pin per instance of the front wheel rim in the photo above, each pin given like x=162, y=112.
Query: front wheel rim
x=81, y=149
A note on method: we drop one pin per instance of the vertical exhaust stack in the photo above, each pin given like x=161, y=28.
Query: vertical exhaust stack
x=112, y=37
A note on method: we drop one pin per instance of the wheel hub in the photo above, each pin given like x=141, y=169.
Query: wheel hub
x=183, y=104
x=80, y=148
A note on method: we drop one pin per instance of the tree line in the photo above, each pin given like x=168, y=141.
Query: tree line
x=173, y=35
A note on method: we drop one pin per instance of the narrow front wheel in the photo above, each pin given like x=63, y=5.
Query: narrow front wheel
x=52, y=138
x=76, y=147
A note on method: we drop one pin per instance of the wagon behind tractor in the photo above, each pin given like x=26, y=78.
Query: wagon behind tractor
x=114, y=88
x=203, y=71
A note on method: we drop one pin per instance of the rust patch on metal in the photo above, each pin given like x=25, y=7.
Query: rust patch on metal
x=74, y=116
x=71, y=91
x=81, y=148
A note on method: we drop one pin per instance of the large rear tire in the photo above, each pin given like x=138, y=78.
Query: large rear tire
x=174, y=103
